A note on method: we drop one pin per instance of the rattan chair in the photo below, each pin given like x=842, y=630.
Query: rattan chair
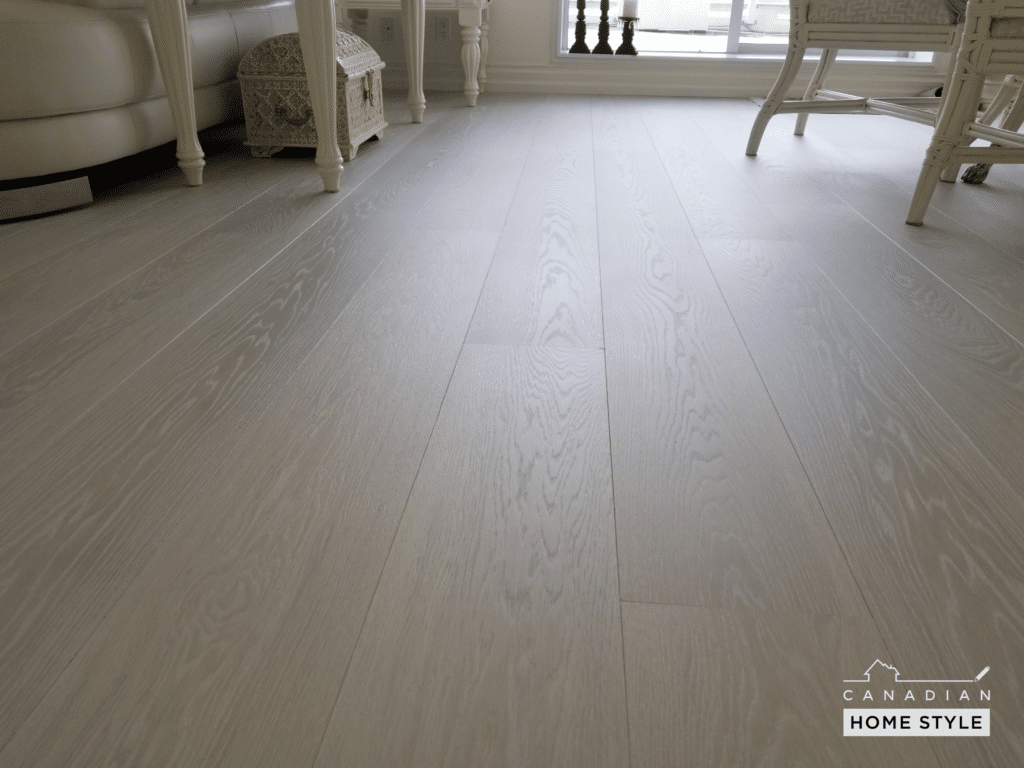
x=905, y=25
x=1013, y=93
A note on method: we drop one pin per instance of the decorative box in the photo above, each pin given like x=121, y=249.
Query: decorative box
x=275, y=95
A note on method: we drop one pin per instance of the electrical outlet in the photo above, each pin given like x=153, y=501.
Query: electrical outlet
x=442, y=28
x=387, y=30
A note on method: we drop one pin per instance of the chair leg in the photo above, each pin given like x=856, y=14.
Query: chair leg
x=828, y=57
x=977, y=174
x=794, y=57
x=959, y=107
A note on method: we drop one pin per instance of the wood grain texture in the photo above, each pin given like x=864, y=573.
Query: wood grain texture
x=930, y=529
x=494, y=638
x=477, y=190
x=715, y=204
x=971, y=366
x=149, y=218
x=543, y=287
x=25, y=242
x=877, y=185
x=218, y=560
x=746, y=689
x=49, y=381
x=50, y=288
x=712, y=506
x=84, y=519
x=236, y=637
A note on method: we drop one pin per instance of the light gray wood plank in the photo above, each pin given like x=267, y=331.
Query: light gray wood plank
x=712, y=505
x=50, y=380
x=53, y=287
x=715, y=204
x=239, y=632
x=50, y=287
x=543, y=287
x=931, y=530
x=82, y=521
x=740, y=689
x=494, y=637
x=478, y=190
x=813, y=173
x=23, y=243
x=971, y=366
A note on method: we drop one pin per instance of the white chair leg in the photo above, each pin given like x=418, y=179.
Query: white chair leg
x=794, y=57
x=828, y=57
x=959, y=107
x=977, y=174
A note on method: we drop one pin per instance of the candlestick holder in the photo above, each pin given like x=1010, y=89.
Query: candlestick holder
x=602, y=32
x=627, y=49
x=580, y=46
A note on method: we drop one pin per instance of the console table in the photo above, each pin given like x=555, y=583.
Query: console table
x=316, y=21
x=473, y=22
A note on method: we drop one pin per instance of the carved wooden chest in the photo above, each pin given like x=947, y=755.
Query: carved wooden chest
x=275, y=94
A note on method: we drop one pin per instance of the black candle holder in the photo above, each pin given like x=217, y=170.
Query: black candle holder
x=627, y=49
x=602, y=32
x=580, y=46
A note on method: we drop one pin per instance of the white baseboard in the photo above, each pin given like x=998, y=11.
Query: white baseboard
x=733, y=77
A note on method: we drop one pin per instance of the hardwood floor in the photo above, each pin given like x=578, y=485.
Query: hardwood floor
x=564, y=435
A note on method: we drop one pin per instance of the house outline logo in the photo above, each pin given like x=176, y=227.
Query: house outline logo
x=898, y=678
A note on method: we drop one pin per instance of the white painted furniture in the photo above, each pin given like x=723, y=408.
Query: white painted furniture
x=993, y=44
x=836, y=24
x=316, y=22
x=474, y=23
x=80, y=86
x=1009, y=103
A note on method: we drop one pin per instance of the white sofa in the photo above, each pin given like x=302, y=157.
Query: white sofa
x=80, y=85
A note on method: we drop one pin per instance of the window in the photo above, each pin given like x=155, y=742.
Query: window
x=681, y=27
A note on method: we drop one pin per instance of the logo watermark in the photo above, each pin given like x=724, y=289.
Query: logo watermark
x=964, y=719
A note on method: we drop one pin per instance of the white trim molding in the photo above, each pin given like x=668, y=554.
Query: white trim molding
x=710, y=76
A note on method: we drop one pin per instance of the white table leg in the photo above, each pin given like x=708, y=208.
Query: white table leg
x=169, y=26
x=414, y=16
x=484, y=46
x=316, y=22
x=470, y=20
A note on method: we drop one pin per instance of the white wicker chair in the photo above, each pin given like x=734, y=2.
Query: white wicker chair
x=993, y=44
x=905, y=25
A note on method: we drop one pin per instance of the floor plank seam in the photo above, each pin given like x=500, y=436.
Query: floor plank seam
x=937, y=277
x=405, y=506
x=508, y=212
x=27, y=462
x=141, y=267
x=611, y=454
x=868, y=324
x=764, y=386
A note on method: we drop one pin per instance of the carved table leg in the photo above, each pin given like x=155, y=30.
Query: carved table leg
x=470, y=20
x=484, y=46
x=414, y=14
x=317, y=38
x=169, y=26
